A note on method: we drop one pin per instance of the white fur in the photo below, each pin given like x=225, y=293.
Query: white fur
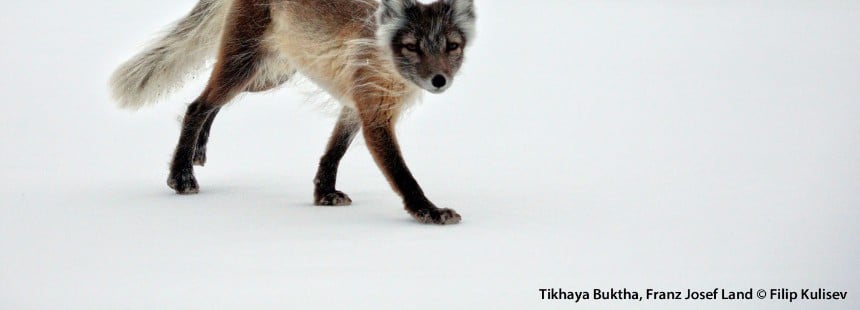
x=163, y=66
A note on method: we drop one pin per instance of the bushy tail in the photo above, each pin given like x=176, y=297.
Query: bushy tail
x=163, y=66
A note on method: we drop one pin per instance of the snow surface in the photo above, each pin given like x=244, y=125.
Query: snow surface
x=587, y=144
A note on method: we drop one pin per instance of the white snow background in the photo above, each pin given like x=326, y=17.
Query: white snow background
x=587, y=144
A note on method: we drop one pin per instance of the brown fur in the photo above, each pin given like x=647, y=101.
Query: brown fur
x=332, y=42
x=344, y=131
x=235, y=68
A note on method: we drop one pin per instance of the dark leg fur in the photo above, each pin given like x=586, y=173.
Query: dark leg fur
x=383, y=146
x=181, y=176
x=325, y=193
x=203, y=139
x=236, y=67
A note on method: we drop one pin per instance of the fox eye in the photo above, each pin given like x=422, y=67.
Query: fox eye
x=453, y=46
x=411, y=47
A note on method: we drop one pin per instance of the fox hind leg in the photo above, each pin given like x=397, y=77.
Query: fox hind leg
x=270, y=74
x=344, y=132
x=200, y=113
x=237, y=66
x=181, y=177
x=203, y=139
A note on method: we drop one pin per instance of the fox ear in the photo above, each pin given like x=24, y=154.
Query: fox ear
x=392, y=10
x=464, y=16
x=390, y=16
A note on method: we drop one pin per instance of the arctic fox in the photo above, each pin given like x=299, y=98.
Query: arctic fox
x=372, y=57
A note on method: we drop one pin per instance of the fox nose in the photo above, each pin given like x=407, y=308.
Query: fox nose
x=439, y=81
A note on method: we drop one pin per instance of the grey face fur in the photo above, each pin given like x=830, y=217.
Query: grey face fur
x=427, y=40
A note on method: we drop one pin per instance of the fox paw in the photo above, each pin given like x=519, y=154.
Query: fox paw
x=436, y=216
x=336, y=198
x=183, y=182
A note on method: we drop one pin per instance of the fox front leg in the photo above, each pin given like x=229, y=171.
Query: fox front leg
x=325, y=193
x=382, y=144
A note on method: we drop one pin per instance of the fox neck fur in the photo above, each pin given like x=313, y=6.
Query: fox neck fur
x=334, y=44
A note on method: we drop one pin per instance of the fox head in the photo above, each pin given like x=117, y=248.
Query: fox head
x=426, y=40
